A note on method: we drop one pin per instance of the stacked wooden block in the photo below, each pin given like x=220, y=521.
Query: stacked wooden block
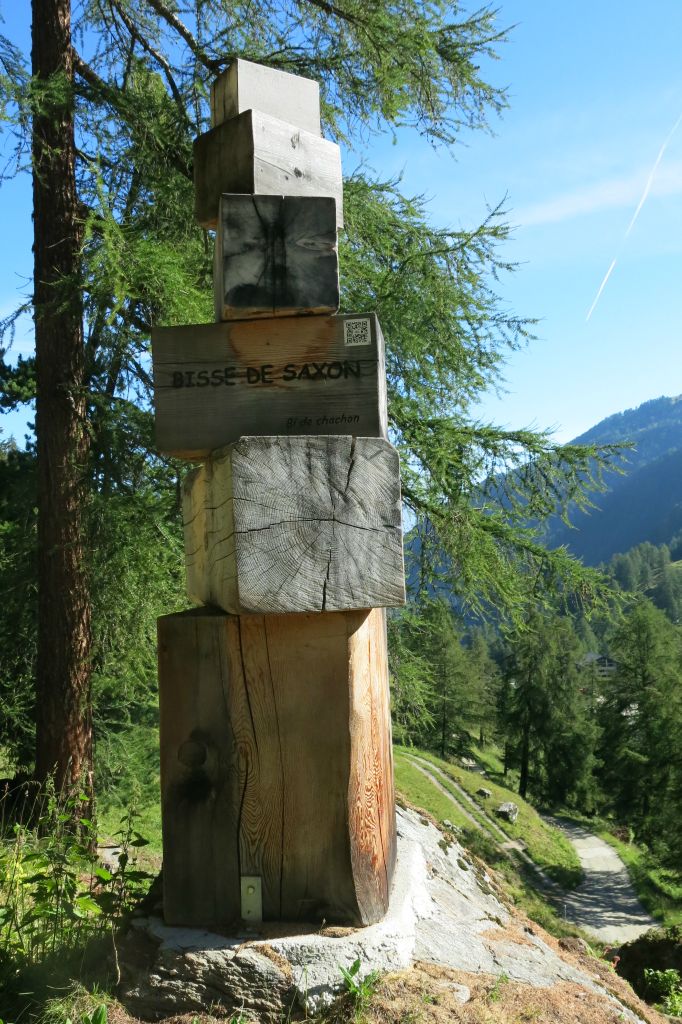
x=276, y=768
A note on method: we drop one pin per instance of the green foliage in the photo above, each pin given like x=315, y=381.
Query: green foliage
x=77, y=1006
x=412, y=683
x=19, y=602
x=648, y=570
x=359, y=987
x=472, y=488
x=54, y=894
x=546, y=714
x=495, y=993
x=664, y=988
x=641, y=716
x=98, y=1016
x=443, y=683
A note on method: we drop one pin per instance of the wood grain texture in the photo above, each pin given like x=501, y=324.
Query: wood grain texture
x=214, y=383
x=294, y=524
x=265, y=725
x=371, y=795
x=275, y=256
x=258, y=154
x=248, y=86
x=200, y=768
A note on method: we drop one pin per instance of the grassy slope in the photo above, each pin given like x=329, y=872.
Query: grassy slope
x=414, y=787
x=545, y=845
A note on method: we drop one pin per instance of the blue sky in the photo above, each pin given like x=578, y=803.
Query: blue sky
x=594, y=90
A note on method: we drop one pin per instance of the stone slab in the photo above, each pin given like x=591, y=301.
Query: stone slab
x=443, y=911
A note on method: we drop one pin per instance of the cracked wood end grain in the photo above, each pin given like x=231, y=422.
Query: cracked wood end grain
x=296, y=524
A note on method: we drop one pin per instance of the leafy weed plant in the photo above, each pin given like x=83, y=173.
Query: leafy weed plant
x=54, y=895
x=664, y=988
x=360, y=990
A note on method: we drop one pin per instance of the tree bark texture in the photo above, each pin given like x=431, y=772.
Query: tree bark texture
x=63, y=727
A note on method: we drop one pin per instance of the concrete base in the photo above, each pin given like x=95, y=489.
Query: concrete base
x=443, y=910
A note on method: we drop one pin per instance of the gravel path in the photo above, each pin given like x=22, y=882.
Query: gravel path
x=605, y=903
x=512, y=848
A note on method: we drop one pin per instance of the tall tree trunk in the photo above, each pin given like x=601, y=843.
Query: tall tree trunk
x=525, y=759
x=63, y=724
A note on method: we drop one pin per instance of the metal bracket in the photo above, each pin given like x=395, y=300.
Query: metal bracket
x=251, y=898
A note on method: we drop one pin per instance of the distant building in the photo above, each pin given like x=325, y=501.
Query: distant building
x=602, y=666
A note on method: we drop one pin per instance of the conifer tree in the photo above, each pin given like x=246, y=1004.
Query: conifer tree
x=140, y=86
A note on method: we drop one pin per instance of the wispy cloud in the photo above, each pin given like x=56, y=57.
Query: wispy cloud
x=642, y=199
x=610, y=193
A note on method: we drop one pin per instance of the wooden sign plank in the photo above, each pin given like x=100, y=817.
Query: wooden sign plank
x=258, y=154
x=214, y=383
x=248, y=86
x=296, y=524
x=276, y=764
x=275, y=256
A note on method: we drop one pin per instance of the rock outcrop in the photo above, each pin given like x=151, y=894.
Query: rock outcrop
x=447, y=914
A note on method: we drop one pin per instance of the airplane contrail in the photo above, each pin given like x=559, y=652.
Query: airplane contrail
x=633, y=219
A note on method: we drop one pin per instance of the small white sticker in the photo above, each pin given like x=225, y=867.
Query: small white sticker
x=357, y=332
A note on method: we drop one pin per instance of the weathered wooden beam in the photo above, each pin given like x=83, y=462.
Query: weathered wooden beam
x=248, y=86
x=214, y=383
x=275, y=256
x=296, y=524
x=256, y=153
x=276, y=765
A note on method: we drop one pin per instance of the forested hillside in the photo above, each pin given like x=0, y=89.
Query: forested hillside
x=643, y=504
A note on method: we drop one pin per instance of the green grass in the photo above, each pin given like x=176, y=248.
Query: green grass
x=418, y=790
x=146, y=820
x=472, y=809
x=546, y=846
x=659, y=889
x=489, y=758
x=422, y=793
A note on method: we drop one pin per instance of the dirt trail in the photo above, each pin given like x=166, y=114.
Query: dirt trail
x=511, y=847
x=605, y=903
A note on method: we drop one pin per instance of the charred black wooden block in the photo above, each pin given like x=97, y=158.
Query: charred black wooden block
x=275, y=256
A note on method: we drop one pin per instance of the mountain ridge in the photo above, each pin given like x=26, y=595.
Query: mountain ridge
x=643, y=504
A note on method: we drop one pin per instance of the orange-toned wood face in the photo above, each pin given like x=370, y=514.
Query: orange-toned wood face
x=214, y=383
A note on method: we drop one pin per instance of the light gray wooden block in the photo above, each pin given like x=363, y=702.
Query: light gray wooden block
x=214, y=383
x=296, y=524
x=257, y=153
x=248, y=86
x=275, y=256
